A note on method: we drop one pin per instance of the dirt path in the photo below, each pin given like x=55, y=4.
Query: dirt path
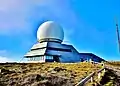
x=111, y=77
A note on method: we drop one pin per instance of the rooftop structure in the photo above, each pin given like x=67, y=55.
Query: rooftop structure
x=50, y=31
x=49, y=47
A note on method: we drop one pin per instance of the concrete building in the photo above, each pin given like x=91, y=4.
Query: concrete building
x=90, y=56
x=49, y=47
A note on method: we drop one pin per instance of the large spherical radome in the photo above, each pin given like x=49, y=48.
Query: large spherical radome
x=50, y=30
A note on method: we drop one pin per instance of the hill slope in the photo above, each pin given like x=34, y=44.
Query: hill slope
x=44, y=74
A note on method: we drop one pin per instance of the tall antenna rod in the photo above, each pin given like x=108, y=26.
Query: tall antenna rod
x=118, y=36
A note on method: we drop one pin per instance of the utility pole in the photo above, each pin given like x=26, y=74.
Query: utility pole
x=118, y=35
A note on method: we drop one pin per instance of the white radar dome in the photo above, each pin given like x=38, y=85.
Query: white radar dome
x=50, y=31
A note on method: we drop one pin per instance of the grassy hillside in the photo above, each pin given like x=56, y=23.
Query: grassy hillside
x=114, y=63
x=45, y=74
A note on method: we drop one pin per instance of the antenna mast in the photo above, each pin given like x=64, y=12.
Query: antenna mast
x=118, y=36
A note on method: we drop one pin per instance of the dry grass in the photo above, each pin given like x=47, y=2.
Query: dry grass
x=72, y=73
x=113, y=63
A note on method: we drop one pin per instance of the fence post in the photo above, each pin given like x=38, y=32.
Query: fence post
x=99, y=74
x=91, y=79
x=104, y=70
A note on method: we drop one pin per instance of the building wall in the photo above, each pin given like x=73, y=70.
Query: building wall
x=65, y=53
x=64, y=56
x=88, y=57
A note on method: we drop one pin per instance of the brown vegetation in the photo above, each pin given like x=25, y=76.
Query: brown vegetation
x=45, y=74
x=113, y=63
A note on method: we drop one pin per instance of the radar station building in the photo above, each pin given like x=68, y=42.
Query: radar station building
x=49, y=47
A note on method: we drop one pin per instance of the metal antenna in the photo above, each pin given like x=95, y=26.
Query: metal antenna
x=118, y=36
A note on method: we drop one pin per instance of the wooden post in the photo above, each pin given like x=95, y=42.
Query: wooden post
x=103, y=64
x=99, y=74
x=91, y=79
x=104, y=70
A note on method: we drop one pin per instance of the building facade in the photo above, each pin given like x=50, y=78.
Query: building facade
x=49, y=47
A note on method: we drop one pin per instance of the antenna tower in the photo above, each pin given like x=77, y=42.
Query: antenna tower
x=118, y=35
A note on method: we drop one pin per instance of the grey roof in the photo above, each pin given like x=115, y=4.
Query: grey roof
x=91, y=54
x=38, y=52
x=39, y=45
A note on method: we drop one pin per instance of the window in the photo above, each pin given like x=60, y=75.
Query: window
x=30, y=59
x=36, y=58
x=59, y=49
x=49, y=57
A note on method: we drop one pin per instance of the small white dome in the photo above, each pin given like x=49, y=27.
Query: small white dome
x=50, y=30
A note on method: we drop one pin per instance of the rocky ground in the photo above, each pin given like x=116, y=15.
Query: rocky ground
x=44, y=74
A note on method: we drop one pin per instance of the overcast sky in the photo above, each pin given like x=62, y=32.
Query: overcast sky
x=89, y=25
